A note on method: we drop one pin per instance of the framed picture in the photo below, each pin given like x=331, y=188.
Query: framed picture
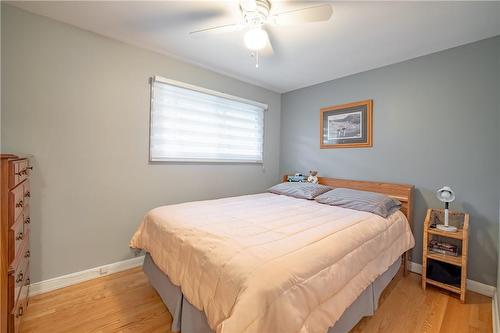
x=347, y=125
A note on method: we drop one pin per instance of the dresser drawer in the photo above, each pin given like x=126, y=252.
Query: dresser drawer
x=26, y=193
x=19, y=172
x=18, y=235
x=20, y=307
x=22, y=254
x=16, y=196
x=20, y=278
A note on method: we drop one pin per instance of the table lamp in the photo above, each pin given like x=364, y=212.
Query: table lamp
x=446, y=195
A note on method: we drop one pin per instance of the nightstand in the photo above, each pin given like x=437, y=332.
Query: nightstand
x=459, y=239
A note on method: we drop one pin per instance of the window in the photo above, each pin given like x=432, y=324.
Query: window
x=190, y=123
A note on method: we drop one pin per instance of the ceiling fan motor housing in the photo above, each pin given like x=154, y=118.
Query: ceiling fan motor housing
x=256, y=16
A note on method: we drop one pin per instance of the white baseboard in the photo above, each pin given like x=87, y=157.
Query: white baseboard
x=472, y=285
x=89, y=274
x=495, y=315
x=414, y=267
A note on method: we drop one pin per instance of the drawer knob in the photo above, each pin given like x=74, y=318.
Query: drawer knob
x=27, y=194
x=20, y=173
x=20, y=312
x=27, y=221
x=20, y=277
x=27, y=254
x=19, y=236
x=29, y=168
x=19, y=204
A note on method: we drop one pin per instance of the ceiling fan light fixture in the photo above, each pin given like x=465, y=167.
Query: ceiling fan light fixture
x=256, y=39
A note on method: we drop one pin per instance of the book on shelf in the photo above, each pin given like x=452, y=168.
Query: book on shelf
x=443, y=248
x=441, y=251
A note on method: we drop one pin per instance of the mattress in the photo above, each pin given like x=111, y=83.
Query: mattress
x=271, y=263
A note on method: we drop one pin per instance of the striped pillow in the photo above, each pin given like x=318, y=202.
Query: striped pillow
x=299, y=190
x=375, y=203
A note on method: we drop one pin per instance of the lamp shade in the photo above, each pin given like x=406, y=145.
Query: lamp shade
x=445, y=194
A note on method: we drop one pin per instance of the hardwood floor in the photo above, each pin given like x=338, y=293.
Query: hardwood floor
x=121, y=302
x=124, y=302
x=406, y=307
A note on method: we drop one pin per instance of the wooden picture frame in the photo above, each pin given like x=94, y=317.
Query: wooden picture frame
x=347, y=125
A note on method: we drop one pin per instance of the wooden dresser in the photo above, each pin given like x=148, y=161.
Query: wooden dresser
x=14, y=240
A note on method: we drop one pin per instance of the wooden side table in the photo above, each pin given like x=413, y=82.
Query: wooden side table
x=460, y=237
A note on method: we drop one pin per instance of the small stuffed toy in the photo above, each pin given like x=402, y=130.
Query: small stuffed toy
x=313, y=178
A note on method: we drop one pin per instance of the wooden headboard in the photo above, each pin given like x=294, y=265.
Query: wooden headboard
x=401, y=192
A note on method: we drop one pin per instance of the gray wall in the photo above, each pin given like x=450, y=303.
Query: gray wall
x=79, y=103
x=435, y=123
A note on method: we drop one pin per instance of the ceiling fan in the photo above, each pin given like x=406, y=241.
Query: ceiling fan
x=256, y=15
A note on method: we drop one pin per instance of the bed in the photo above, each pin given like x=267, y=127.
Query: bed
x=273, y=263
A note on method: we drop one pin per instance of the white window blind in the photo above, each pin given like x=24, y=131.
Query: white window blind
x=190, y=123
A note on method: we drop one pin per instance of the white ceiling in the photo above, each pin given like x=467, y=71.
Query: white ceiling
x=359, y=37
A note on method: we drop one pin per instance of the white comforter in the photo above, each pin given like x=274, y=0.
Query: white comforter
x=271, y=263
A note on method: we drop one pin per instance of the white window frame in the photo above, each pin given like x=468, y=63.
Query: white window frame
x=160, y=79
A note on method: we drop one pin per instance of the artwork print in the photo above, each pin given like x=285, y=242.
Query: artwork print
x=345, y=126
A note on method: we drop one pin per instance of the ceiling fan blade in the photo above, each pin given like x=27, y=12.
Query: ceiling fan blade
x=268, y=50
x=216, y=30
x=312, y=14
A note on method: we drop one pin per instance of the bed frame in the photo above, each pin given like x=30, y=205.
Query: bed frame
x=401, y=192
